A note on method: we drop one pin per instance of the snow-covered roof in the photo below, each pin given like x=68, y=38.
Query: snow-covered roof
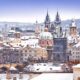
x=71, y=39
x=12, y=31
x=5, y=44
x=45, y=67
x=15, y=46
x=13, y=68
x=11, y=39
x=77, y=45
x=24, y=37
x=30, y=42
x=76, y=66
x=45, y=35
x=28, y=37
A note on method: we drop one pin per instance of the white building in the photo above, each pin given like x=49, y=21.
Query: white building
x=75, y=53
x=32, y=41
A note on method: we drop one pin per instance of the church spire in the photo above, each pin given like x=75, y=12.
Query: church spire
x=37, y=28
x=47, y=21
x=57, y=19
x=57, y=24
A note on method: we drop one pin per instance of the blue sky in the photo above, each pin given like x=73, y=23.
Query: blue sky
x=32, y=10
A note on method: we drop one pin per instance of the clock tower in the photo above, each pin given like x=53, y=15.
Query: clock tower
x=73, y=28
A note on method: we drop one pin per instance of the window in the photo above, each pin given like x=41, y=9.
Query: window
x=73, y=52
x=42, y=42
x=30, y=51
x=47, y=43
x=25, y=50
x=25, y=54
x=58, y=56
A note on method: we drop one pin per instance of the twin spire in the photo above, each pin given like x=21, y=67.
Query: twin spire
x=57, y=19
x=47, y=20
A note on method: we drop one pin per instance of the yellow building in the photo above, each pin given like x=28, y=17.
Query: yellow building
x=34, y=53
x=41, y=53
x=16, y=42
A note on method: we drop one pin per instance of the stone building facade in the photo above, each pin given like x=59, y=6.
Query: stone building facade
x=59, y=49
x=8, y=55
x=34, y=54
x=75, y=53
x=76, y=72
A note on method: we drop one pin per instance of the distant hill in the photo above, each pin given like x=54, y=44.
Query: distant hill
x=31, y=26
x=66, y=23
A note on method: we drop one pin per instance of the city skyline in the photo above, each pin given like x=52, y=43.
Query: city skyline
x=32, y=10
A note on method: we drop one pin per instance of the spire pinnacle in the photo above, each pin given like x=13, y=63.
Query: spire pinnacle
x=47, y=12
x=47, y=21
x=47, y=17
x=57, y=19
x=57, y=14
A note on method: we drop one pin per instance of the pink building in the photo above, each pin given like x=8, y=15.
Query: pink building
x=45, y=38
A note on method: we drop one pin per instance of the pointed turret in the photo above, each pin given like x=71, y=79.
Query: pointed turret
x=57, y=24
x=57, y=19
x=47, y=18
x=47, y=21
x=37, y=29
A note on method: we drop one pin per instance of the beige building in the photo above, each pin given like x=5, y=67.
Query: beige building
x=28, y=53
x=75, y=53
x=76, y=72
x=33, y=53
x=41, y=53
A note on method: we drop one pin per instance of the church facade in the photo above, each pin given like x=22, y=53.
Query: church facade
x=54, y=27
x=56, y=53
